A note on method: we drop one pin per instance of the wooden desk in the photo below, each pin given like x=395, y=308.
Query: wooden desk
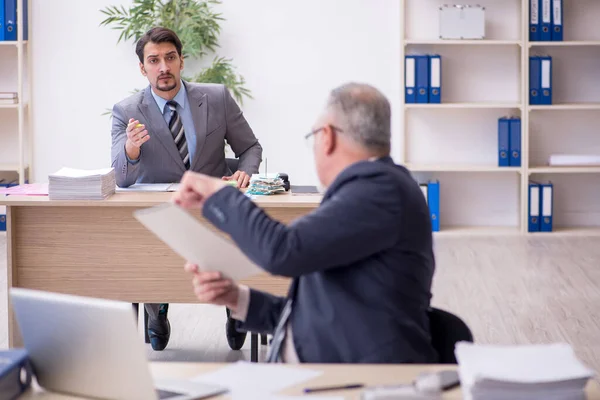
x=97, y=248
x=332, y=375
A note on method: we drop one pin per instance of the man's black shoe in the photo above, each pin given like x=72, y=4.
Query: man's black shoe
x=235, y=338
x=159, y=329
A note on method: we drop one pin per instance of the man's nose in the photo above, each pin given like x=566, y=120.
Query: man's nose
x=164, y=68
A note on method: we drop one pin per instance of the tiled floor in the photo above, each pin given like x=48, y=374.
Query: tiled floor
x=509, y=289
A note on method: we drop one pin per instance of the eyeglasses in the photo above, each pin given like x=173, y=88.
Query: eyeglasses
x=314, y=132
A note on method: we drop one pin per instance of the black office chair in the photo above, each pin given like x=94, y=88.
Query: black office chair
x=232, y=164
x=446, y=330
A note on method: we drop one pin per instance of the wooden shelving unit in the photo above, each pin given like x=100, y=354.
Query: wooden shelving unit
x=455, y=141
x=23, y=163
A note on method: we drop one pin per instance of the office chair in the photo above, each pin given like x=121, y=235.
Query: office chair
x=446, y=330
x=232, y=164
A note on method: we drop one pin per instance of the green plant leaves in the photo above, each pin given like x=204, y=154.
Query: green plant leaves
x=197, y=26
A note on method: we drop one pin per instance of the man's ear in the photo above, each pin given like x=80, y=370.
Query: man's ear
x=142, y=69
x=329, y=139
x=181, y=66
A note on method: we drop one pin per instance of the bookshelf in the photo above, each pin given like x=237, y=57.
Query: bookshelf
x=456, y=141
x=16, y=151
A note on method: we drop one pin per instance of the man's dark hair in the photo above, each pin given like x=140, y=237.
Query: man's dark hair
x=157, y=35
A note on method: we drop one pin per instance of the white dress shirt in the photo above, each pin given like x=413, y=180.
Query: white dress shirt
x=288, y=352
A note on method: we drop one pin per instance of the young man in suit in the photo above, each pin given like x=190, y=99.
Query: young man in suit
x=172, y=127
x=362, y=263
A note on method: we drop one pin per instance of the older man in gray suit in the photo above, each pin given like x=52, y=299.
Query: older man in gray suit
x=174, y=126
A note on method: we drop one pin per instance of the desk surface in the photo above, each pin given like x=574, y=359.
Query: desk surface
x=148, y=199
x=332, y=375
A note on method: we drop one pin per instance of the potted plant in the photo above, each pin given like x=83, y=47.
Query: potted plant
x=196, y=24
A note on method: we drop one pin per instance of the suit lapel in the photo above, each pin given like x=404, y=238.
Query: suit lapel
x=198, y=102
x=158, y=128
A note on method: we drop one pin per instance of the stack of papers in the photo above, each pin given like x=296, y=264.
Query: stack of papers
x=572, y=160
x=79, y=184
x=550, y=371
x=265, y=185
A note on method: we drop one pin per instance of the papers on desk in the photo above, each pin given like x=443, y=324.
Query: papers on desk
x=549, y=371
x=150, y=187
x=79, y=184
x=30, y=189
x=572, y=160
x=256, y=380
x=195, y=242
x=269, y=396
x=265, y=184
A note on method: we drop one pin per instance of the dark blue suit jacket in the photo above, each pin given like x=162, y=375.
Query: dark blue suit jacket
x=362, y=264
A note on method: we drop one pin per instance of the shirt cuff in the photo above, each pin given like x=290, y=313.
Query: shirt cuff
x=129, y=160
x=243, y=304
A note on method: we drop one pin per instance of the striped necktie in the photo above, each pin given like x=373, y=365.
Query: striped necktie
x=274, y=354
x=176, y=128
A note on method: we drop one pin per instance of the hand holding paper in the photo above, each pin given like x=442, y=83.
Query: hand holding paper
x=212, y=288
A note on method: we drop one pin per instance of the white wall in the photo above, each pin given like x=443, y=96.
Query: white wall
x=290, y=52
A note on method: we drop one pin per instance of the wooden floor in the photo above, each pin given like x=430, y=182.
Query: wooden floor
x=509, y=289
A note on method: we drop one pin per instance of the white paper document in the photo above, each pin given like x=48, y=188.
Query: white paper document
x=195, y=242
x=80, y=173
x=150, y=187
x=253, y=380
x=574, y=159
x=268, y=396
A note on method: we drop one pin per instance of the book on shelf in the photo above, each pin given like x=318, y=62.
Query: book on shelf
x=574, y=160
x=8, y=98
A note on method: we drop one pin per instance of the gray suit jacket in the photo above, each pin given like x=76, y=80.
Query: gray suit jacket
x=362, y=265
x=216, y=117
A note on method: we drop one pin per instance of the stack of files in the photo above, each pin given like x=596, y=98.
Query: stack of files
x=547, y=371
x=78, y=184
x=8, y=20
x=265, y=185
x=540, y=80
x=8, y=98
x=431, y=191
x=3, y=186
x=574, y=160
x=545, y=20
x=509, y=142
x=423, y=79
x=16, y=373
x=540, y=207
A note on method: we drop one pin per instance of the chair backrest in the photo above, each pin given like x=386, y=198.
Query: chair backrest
x=446, y=330
x=232, y=164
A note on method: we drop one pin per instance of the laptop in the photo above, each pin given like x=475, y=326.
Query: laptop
x=91, y=347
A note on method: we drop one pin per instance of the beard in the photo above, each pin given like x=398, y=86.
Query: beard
x=166, y=86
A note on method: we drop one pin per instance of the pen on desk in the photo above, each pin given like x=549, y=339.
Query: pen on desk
x=326, y=388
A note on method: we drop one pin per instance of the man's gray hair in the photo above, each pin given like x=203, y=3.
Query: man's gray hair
x=364, y=115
